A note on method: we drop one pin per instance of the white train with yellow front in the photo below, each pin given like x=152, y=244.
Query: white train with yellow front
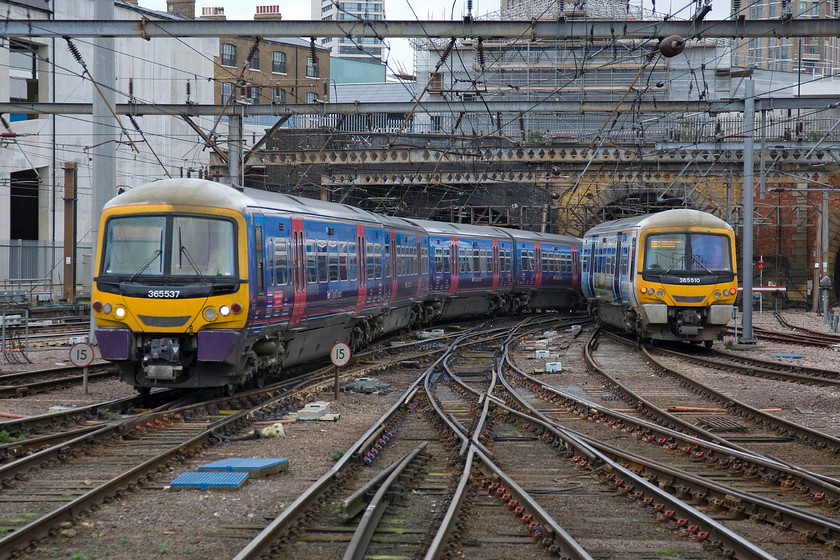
x=670, y=275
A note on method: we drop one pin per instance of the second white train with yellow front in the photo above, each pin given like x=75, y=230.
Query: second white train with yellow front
x=670, y=275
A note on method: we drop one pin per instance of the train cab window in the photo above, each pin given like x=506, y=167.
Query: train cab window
x=386, y=261
x=342, y=260
x=311, y=263
x=683, y=252
x=280, y=266
x=352, y=261
x=332, y=255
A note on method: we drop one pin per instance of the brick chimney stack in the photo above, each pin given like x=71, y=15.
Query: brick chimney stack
x=268, y=13
x=215, y=13
x=185, y=8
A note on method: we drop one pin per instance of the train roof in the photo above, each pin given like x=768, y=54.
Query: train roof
x=678, y=217
x=198, y=192
x=460, y=230
x=543, y=237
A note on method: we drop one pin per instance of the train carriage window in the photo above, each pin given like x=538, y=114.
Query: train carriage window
x=482, y=258
x=462, y=260
x=369, y=261
x=311, y=263
x=280, y=269
x=447, y=260
x=322, y=260
x=386, y=263
x=424, y=261
x=523, y=260
x=332, y=253
x=438, y=260
x=544, y=258
x=401, y=261
x=352, y=270
x=377, y=260
x=414, y=263
x=342, y=260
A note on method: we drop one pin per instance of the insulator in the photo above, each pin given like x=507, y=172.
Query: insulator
x=671, y=46
x=131, y=88
x=313, y=53
x=74, y=51
x=481, y=51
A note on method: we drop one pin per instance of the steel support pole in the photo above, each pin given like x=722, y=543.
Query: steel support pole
x=747, y=272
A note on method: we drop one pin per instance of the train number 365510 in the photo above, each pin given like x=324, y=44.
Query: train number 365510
x=164, y=293
x=689, y=280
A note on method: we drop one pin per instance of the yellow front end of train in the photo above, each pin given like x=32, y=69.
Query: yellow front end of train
x=170, y=294
x=686, y=282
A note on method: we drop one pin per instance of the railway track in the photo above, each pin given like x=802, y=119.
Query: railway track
x=488, y=454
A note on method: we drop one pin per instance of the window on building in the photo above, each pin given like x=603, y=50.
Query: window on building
x=227, y=88
x=279, y=95
x=278, y=62
x=255, y=60
x=228, y=54
x=311, y=97
x=311, y=67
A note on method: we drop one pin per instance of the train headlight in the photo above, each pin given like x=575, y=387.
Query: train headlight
x=717, y=294
x=119, y=312
x=660, y=294
x=650, y=291
x=224, y=311
x=210, y=314
x=106, y=309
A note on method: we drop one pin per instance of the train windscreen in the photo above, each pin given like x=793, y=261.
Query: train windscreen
x=687, y=253
x=169, y=245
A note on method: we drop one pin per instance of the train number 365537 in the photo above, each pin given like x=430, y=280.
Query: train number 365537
x=164, y=293
x=689, y=280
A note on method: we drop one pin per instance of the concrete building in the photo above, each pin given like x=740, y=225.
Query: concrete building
x=368, y=49
x=818, y=56
x=41, y=154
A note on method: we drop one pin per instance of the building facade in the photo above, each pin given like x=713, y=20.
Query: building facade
x=368, y=49
x=39, y=153
x=819, y=56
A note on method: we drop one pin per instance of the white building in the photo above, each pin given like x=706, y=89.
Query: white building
x=34, y=156
x=344, y=47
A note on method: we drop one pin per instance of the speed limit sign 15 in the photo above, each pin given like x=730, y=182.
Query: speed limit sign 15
x=81, y=354
x=340, y=354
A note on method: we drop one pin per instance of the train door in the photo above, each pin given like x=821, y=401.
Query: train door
x=298, y=273
x=617, y=267
x=455, y=269
x=259, y=274
x=392, y=255
x=538, y=268
x=494, y=266
x=362, y=269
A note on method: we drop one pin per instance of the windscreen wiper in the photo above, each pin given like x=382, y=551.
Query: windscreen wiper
x=146, y=264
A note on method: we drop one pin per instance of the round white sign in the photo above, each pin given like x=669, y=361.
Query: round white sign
x=81, y=354
x=340, y=354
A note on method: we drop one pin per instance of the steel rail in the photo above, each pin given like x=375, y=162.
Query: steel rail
x=723, y=536
x=262, y=543
x=376, y=508
x=769, y=469
x=819, y=377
